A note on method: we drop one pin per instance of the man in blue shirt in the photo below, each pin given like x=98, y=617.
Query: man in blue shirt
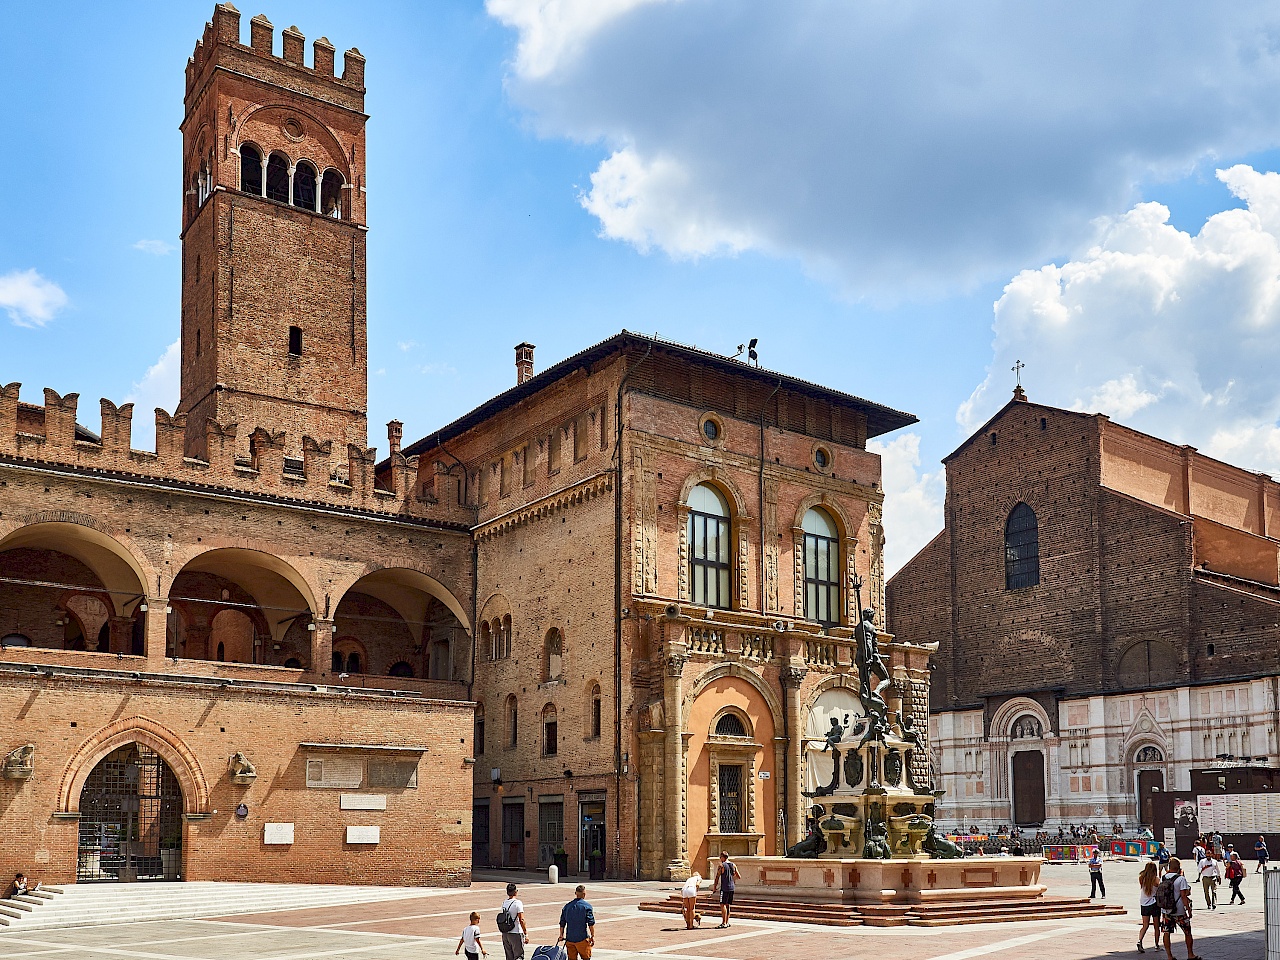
x=578, y=925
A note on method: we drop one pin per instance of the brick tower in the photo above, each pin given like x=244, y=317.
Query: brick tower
x=273, y=239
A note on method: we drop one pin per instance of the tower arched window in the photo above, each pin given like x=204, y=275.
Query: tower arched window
x=506, y=636
x=550, y=731
x=478, y=733
x=821, y=567
x=304, y=186
x=1021, y=549
x=709, y=547
x=277, y=178
x=331, y=194
x=553, y=656
x=513, y=718
x=593, y=729
x=251, y=169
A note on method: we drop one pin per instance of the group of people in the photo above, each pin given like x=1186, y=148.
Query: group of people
x=1166, y=900
x=577, y=928
x=578, y=919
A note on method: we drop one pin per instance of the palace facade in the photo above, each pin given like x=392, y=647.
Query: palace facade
x=601, y=614
x=1107, y=612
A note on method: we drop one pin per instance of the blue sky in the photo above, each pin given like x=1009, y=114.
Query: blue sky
x=869, y=188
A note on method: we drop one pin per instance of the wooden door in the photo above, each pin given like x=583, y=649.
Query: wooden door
x=1028, y=788
x=1150, y=785
x=513, y=835
x=480, y=835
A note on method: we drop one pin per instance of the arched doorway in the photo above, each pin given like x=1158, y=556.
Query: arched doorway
x=130, y=819
x=1149, y=763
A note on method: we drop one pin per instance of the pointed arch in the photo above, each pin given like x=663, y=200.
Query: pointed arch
x=147, y=732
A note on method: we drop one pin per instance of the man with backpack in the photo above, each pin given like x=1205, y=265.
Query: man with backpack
x=515, y=932
x=1173, y=897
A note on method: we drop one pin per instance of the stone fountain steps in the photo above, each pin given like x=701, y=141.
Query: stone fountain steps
x=825, y=914
x=952, y=913
x=978, y=911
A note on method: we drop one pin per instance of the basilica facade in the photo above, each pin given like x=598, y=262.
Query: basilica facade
x=1106, y=607
x=596, y=618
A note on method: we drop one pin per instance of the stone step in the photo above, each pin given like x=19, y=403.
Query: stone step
x=17, y=905
x=836, y=915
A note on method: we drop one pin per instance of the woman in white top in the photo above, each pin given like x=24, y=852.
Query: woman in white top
x=689, y=897
x=1147, y=881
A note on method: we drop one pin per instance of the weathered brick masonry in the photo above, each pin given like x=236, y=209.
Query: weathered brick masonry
x=1147, y=644
x=531, y=579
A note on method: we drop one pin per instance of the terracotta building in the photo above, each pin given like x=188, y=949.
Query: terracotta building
x=602, y=612
x=1107, y=610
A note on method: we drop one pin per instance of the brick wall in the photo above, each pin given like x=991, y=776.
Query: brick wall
x=425, y=831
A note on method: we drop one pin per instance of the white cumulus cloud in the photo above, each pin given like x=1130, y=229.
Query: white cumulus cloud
x=552, y=31
x=893, y=148
x=30, y=299
x=912, y=499
x=157, y=248
x=161, y=385
x=1172, y=333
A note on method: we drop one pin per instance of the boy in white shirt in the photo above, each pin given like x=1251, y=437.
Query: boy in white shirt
x=470, y=940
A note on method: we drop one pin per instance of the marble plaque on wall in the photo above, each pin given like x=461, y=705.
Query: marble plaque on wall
x=364, y=834
x=277, y=833
x=363, y=801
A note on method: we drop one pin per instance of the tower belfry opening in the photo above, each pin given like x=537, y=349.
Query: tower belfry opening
x=273, y=153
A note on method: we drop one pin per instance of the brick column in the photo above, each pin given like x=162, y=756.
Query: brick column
x=673, y=752
x=322, y=646
x=792, y=677
x=121, y=633
x=157, y=628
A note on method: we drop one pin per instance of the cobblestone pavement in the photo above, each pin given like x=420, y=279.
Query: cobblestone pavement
x=427, y=928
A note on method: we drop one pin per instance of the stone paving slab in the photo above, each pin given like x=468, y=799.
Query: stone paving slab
x=426, y=927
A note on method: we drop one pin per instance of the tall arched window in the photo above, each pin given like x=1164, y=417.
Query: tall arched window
x=251, y=169
x=506, y=636
x=709, y=547
x=478, y=733
x=593, y=730
x=304, y=186
x=553, y=656
x=278, y=178
x=550, y=731
x=331, y=194
x=486, y=640
x=821, y=567
x=513, y=718
x=1021, y=549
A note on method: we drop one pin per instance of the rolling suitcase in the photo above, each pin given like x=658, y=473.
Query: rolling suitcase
x=555, y=952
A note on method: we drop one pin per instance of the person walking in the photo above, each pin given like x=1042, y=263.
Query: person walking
x=1147, y=881
x=1235, y=876
x=1209, y=876
x=1096, y=886
x=470, y=940
x=689, y=900
x=515, y=932
x=578, y=925
x=1260, y=850
x=726, y=880
x=1173, y=896
x=1198, y=851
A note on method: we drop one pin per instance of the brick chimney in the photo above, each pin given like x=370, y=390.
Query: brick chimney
x=524, y=362
x=395, y=431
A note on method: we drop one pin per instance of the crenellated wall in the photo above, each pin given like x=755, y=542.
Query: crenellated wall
x=49, y=433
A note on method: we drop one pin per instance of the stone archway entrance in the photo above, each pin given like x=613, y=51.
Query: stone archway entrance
x=130, y=819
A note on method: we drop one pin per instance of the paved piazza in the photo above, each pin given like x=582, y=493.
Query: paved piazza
x=426, y=928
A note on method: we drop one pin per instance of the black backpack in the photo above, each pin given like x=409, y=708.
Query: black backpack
x=506, y=921
x=1167, y=896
